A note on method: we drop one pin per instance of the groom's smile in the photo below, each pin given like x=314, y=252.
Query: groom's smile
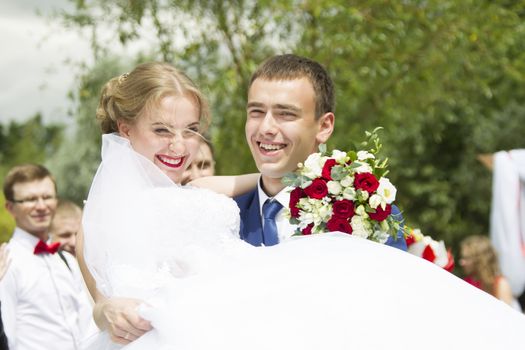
x=270, y=148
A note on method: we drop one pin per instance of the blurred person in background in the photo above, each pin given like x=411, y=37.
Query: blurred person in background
x=203, y=164
x=4, y=264
x=43, y=298
x=480, y=264
x=65, y=225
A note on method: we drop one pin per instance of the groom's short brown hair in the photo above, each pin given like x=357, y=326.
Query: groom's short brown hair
x=291, y=67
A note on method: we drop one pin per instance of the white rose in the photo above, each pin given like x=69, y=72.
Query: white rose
x=340, y=157
x=363, y=155
x=361, y=211
x=349, y=193
x=380, y=236
x=375, y=201
x=387, y=190
x=325, y=212
x=360, y=227
x=313, y=165
x=334, y=187
x=347, y=181
x=363, y=168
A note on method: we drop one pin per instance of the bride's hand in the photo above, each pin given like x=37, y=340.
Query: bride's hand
x=119, y=317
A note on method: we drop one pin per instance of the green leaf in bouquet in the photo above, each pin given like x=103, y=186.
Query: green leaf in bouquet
x=338, y=173
x=303, y=181
x=352, y=155
x=369, y=209
x=290, y=179
x=355, y=165
x=294, y=221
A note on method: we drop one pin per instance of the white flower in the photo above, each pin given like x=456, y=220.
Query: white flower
x=380, y=236
x=313, y=211
x=339, y=156
x=349, y=193
x=362, y=195
x=334, y=187
x=376, y=200
x=386, y=190
x=361, y=211
x=364, y=155
x=313, y=165
x=347, y=181
x=360, y=226
x=363, y=168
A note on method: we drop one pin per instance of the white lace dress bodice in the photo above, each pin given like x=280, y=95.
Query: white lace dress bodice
x=166, y=239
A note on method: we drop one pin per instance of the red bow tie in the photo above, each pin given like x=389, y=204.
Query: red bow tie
x=43, y=248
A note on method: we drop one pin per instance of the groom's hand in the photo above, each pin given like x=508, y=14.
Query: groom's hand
x=119, y=317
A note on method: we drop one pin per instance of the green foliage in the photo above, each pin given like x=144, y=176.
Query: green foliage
x=77, y=160
x=443, y=77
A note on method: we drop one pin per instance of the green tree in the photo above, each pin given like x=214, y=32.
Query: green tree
x=77, y=159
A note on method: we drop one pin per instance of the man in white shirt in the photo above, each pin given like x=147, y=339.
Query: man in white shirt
x=43, y=303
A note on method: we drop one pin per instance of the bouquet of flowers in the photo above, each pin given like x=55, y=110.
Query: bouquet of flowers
x=344, y=191
x=429, y=249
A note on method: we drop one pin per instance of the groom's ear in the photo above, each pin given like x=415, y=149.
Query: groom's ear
x=123, y=128
x=326, y=127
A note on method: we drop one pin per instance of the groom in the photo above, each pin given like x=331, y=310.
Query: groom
x=290, y=111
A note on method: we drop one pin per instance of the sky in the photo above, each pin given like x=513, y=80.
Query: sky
x=34, y=75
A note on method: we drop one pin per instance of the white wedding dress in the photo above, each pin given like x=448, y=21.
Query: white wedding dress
x=177, y=248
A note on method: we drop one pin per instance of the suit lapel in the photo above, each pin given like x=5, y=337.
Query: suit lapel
x=252, y=226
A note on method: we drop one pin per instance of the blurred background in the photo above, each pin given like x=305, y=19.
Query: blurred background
x=445, y=78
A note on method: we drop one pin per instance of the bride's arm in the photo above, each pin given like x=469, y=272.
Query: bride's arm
x=229, y=185
x=118, y=316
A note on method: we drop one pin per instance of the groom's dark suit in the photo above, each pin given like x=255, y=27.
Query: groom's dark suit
x=251, y=222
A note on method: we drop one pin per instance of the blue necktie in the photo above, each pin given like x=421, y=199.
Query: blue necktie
x=270, y=209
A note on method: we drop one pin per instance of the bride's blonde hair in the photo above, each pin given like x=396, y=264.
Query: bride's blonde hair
x=125, y=97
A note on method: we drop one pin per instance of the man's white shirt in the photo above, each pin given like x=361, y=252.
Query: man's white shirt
x=285, y=230
x=44, y=304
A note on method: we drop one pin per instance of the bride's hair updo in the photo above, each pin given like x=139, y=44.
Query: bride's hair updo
x=125, y=97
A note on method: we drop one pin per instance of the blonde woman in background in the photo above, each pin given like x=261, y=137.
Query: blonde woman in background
x=480, y=264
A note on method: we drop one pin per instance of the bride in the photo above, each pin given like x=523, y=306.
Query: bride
x=176, y=249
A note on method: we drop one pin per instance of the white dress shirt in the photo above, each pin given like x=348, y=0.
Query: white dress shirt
x=285, y=230
x=44, y=305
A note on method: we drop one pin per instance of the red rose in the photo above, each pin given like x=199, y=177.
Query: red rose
x=317, y=189
x=343, y=208
x=295, y=195
x=308, y=229
x=339, y=224
x=428, y=254
x=366, y=182
x=327, y=169
x=381, y=214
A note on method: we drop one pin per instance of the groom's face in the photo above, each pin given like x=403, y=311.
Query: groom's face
x=281, y=128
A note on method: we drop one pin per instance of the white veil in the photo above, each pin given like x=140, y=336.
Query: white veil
x=116, y=226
